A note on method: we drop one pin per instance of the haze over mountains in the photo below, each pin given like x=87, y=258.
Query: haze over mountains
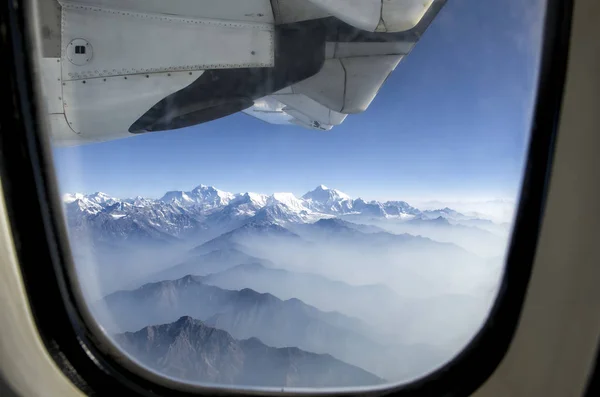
x=206, y=212
x=189, y=349
x=350, y=285
x=247, y=313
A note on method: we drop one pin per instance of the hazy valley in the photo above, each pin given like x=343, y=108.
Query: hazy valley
x=199, y=284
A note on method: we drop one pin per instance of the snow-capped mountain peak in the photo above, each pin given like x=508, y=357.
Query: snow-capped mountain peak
x=211, y=191
x=176, y=196
x=206, y=200
x=139, y=201
x=326, y=200
x=279, y=214
x=288, y=199
x=255, y=198
x=90, y=203
x=70, y=197
x=212, y=196
x=372, y=208
x=101, y=198
x=83, y=204
x=207, y=197
x=180, y=214
x=324, y=194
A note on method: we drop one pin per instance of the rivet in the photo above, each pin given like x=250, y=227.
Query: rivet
x=83, y=81
x=190, y=73
x=104, y=79
x=147, y=76
x=125, y=77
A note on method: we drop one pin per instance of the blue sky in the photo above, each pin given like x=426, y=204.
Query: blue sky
x=452, y=122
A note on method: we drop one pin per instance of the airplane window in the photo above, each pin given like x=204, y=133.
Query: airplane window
x=289, y=193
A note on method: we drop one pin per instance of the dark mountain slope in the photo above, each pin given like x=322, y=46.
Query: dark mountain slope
x=188, y=349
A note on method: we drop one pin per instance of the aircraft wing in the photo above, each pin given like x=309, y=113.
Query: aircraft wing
x=347, y=83
x=117, y=68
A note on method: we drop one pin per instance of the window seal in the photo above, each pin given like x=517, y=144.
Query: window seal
x=33, y=207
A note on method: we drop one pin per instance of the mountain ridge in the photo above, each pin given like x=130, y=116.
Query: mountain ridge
x=180, y=215
x=321, y=199
x=244, y=314
x=191, y=350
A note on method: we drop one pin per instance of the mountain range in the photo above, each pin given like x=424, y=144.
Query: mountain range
x=280, y=323
x=202, y=284
x=191, y=350
x=184, y=214
x=362, y=301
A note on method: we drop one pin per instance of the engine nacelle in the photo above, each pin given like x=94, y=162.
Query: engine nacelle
x=117, y=68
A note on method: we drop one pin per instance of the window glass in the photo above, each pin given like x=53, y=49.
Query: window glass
x=289, y=193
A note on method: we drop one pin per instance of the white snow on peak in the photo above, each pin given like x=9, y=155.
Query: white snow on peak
x=206, y=196
x=257, y=198
x=323, y=194
x=284, y=206
x=341, y=195
x=176, y=196
x=91, y=203
x=211, y=193
x=140, y=201
x=86, y=205
x=288, y=199
x=101, y=198
x=70, y=197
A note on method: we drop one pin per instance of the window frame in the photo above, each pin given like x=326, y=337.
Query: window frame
x=35, y=213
